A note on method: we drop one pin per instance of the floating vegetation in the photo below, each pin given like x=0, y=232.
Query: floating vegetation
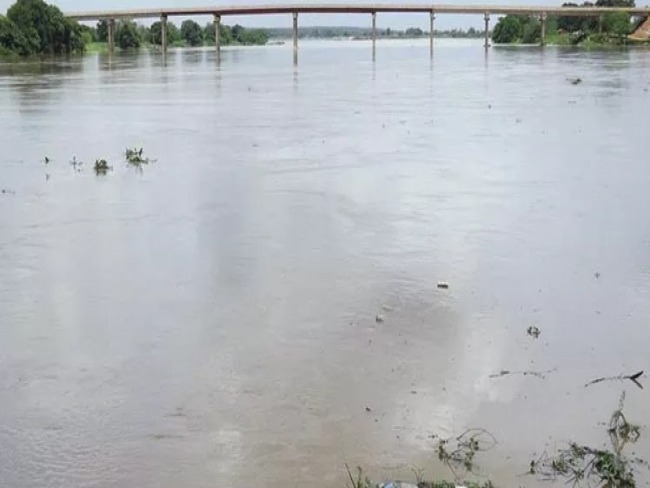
x=135, y=157
x=595, y=467
x=533, y=331
x=458, y=453
x=634, y=378
x=101, y=167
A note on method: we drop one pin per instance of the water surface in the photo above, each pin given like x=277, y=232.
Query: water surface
x=211, y=320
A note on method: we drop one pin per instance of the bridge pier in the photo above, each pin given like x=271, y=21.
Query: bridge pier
x=163, y=29
x=431, y=19
x=543, y=32
x=217, y=32
x=374, y=30
x=111, y=36
x=486, y=17
x=600, y=24
x=295, y=37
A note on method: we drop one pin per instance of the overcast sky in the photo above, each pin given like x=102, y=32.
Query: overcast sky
x=383, y=20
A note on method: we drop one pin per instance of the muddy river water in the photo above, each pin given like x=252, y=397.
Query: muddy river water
x=260, y=305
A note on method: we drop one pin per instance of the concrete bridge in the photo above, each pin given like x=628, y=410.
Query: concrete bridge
x=371, y=9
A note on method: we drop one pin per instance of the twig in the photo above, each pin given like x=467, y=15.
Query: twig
x=505, y=372
x=621, y=377
x=350, y=474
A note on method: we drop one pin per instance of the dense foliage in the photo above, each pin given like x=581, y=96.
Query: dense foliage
x=34, y=27
x=127, y=35
x=614, y=26
x=516, y=28
x=192, y=33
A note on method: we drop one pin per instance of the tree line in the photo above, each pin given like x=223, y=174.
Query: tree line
x=614, y=27
x=130, y=35
x=333, y=32
x=32, y=27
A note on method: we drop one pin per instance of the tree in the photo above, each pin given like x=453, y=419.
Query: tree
x=155, y=33
x=616, y=23
x=208, y=33
x=14, y=40
x=43, y=29
x=127, y=35
x=102, y=31
x=532, y=32
x=192, y=33
x=614, y=3
x=414, y=32
x=509, y=29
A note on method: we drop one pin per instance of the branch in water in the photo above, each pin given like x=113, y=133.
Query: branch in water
x=621, y=377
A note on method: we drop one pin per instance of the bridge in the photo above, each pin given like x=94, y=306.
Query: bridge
x=370, y=9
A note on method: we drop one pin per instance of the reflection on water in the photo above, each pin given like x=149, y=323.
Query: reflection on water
x=211, y=320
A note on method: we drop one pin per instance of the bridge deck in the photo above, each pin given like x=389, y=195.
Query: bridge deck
x=355, y=9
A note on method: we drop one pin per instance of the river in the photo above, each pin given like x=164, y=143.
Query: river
x=260, y=305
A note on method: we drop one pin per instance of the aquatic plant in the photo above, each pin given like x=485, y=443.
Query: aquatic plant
x=135, y=157
x=101, y=167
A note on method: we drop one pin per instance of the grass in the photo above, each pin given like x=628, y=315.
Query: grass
x=97, y=47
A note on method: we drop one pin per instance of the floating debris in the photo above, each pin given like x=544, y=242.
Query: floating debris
x=579, y=464
x=596, y=275
x=634, y=378
x=368, y=409
x=443, y=285
x=533, y=331
x=459, y=452
x=135, y=157
x=46, y=160
x=379, y=318
x=506, y=372
x=575, y=81
x=102, y=167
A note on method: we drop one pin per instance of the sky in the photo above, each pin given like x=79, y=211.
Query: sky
x=395, y=21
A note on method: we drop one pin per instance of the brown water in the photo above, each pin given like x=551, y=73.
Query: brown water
x=210, y=321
